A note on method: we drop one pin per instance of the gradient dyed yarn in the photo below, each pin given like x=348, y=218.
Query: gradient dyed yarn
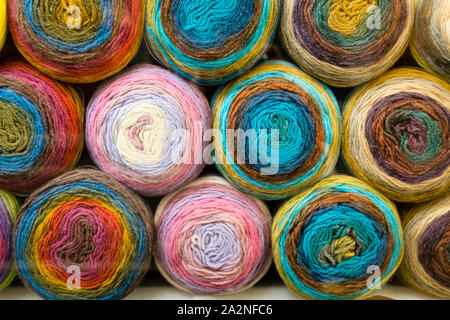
x=328, y=240
x=346, y=42
x=296, y=128
x=41, y=128
x=77, y=41
x=426, y=265
x=212, y=238
x=146, y=128
x=8, y=212
x=86, y=221
x=430, y=44
x=3, y=23
x=207, y=41
x=396, y=134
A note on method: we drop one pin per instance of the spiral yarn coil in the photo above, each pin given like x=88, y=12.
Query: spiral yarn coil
x=328, y=240
x=346, y=42
x=430, y=44
x=41, y=128
x=212, y=238
x=83, y=236
x=426, y=265
x=77, y=41
x=396, y=137
x=146, y=128
x=8, y=213
x=210, y=42
x=287, y=124
x=3, y=23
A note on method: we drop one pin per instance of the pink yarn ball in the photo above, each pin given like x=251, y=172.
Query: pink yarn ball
x=212, y=238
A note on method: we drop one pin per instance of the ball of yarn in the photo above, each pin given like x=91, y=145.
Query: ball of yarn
x=426, y=265
x=210, y=42
x=277, y=130
x=212, y=238
x=330, y=241
x=146, y=128
x=430, y=44
x=396, y=137
x=8, y=212
x=77, y=41
x=346, y=43
x=83, y=236
x=41, y=128
x=3, y=23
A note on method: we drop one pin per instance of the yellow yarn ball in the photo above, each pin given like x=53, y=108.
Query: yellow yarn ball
x=3, y=23
x=346, y=43
x=396, y=134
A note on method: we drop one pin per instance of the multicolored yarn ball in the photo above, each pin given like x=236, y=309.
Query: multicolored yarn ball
x=396, y=134
x=426, y=265
x=210, y=42
x=330, y=241
x=212, y=238
x=8, y=212
x=77, y=41
x=146, y=128
x=41, y=128
x=286, y=130
x=430, y=44
x=346, y=42
x=3, y=23
x=83, y=236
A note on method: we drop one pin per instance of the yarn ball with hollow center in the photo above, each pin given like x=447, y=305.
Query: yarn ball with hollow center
x=346, y=42
x=277, y=130
x=430, y=44
x=41, y=128
x=3, y=23
x=77, y=40
x=8, y=213
x=83, y=236
x=426, y=265
x=210, y=42
x=396, y=134
x=329, y=241
x=146, y=128
x=212, y=238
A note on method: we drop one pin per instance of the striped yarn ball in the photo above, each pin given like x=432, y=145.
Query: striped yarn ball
x=77, y=41
x=426, y=265
x=83, y=236
x=8, y=212
x=430, y=44
x=396, y=134
x=346, y=43
x=41, y=128
x=3, y=23
x=286, y=129
x=146, y=128
x=331, y=239
x=210, y=42
x=212, y=238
